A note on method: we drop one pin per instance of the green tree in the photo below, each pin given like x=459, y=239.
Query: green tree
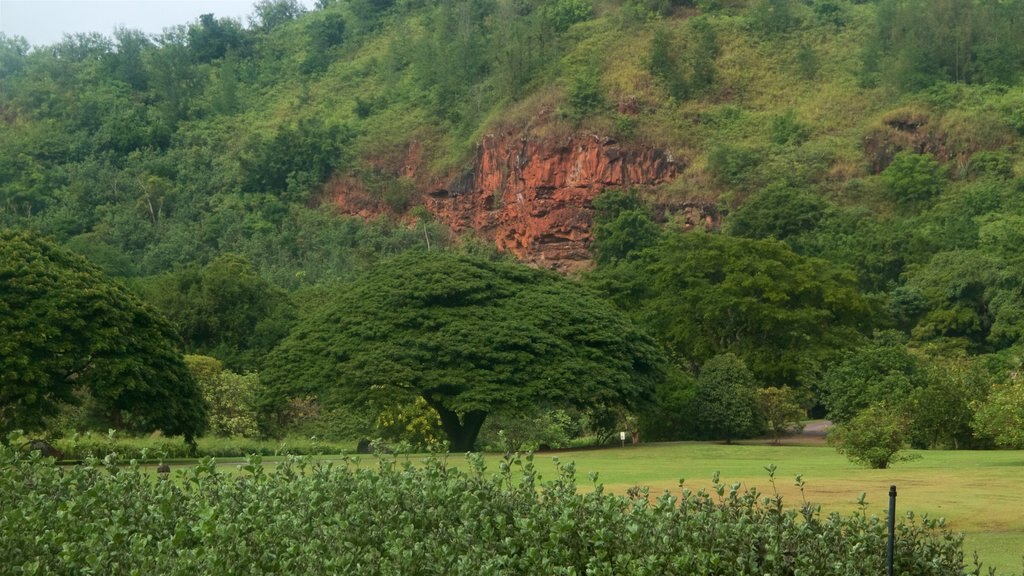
x=467, y=335
x=270, y=14
x=225, y=309
x=780, y=410
x=940, y=412
x=873, y=438
x=325, y=30
x=230, y=397
x=64, y=327
x=622, y=226
x=1001, y=415
x=565, y=13
x=726, y=399
x=706, y=294
x=882, y=370
x=913, y=178
x=779, y=213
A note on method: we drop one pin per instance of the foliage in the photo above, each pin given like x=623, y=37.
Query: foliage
x=780, y=410
x=779, y=213
x=414, y=424
x=529, y=428
x=674, y=415
x=469, y=336
x=64, y=327
x=1001, y=415
x=230, y=397
x=880, y=371
x=565, y=13
x=773, y=17
x=585, y=95
x=874, y=437
x=919, y=44
x=622, y=227
x=429, y=519
x=225, y=310
x=913, y=178
x=706, y=294
x=941, y=411
x=726, y=401
x=154, y=448
x=970, y=298
x=733, y=165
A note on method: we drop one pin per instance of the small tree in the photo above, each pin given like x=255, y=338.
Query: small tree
x=726, y=398
x=230, y=397
x=912, y=178
x=780, y=410
x=873, y=437
x=1001, y=416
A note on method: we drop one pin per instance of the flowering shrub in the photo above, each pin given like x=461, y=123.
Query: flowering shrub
x=307, y=517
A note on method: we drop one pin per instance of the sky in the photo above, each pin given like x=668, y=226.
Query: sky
x=44, y=22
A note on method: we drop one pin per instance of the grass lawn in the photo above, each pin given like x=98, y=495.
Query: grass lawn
x=977, y=492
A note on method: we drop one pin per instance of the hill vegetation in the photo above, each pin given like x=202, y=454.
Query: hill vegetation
x=866, y=157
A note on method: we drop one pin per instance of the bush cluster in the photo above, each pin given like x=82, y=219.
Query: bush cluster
x=307, y=517
x=89, y=445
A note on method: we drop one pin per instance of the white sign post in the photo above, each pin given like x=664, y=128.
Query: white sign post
x=622, y=438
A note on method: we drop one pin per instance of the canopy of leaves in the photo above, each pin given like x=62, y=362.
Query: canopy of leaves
x=882, y=370
x=873, y=438
x=726, y=399
x=469, y=336
x=225, y=310
x=63, y=326
x=780, y=410
x=706, y=294
x=1001, y=415
x=230, y=397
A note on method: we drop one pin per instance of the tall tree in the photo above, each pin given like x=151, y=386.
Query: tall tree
x=224, y=309
x=469, y=336
x=703, y=295
x=63, y=326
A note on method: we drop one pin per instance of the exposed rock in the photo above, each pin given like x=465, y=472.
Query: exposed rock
x=533, y=196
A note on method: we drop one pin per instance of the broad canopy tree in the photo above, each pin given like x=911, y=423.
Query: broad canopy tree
x=469, y=335
x=64, y=327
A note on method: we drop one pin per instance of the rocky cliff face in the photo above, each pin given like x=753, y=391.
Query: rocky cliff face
x=533, y=196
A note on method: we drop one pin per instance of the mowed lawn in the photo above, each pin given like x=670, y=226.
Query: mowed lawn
x=980, y=493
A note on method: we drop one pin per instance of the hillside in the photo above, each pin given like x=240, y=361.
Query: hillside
x=858, y=166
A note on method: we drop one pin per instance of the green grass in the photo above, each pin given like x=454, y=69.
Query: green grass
x=976, y=491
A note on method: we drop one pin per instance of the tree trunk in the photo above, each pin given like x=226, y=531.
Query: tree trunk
x=461, y=431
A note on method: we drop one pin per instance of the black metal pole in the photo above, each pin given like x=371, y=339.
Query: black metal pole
x=892, y=526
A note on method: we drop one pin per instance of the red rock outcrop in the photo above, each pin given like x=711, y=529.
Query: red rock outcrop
x=533, y=196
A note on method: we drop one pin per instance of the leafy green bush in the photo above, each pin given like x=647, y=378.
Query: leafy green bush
x=324, y=518
x=733, y=165
x=96, y=445
x=912, y=178
x=565, y=13
x=874, y=437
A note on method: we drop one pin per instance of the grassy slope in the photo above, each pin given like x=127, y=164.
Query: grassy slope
x=757, y=79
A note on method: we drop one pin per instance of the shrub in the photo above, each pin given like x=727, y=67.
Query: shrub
x=733, y=165
x=316, y=518
x=874, y=437
x=912, y=178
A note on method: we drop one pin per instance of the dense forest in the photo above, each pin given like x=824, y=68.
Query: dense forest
x=862, y=162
